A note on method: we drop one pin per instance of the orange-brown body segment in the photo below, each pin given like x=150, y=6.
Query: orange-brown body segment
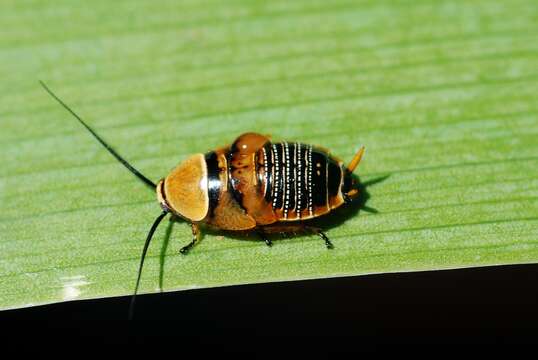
x=227, y=213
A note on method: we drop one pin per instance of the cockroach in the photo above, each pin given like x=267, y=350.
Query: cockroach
x=252, y=185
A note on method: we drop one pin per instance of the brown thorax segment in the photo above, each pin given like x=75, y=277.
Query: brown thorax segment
x=226, y=213
x=243, y=170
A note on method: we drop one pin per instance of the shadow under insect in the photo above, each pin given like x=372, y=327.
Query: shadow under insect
x=351, y=209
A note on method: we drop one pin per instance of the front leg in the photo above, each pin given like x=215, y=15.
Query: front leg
x=195, y=239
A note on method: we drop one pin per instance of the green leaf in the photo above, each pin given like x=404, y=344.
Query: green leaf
x=442, y=94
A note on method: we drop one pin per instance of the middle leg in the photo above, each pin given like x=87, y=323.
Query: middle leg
x=264, y=237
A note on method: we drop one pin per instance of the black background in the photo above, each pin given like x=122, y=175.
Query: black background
x=476, y=307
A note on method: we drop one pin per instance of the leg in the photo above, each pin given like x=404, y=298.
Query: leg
x=263, y=236
x=195, y=239
x=322, y=235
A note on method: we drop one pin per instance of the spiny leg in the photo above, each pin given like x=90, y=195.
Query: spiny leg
x=264, y=237
x=321, y=234
x=195, y=238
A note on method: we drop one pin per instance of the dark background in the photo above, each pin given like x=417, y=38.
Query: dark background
x=492, y=305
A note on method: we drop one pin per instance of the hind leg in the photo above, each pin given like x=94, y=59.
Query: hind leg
x=322, y=235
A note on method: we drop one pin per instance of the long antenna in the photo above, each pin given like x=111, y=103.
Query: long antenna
x=129, y=167
x=144, y=251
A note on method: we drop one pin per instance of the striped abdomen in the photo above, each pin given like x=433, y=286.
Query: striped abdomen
x=299, y=181
x=255, y=182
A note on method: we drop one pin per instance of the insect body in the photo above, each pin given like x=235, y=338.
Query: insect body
x=252, y=185
x=256, y=184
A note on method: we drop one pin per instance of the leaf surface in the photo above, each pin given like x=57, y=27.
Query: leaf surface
x=442, y=94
